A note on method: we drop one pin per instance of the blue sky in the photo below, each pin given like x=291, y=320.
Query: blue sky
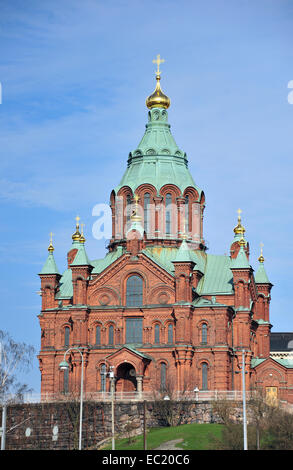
x=75, y=75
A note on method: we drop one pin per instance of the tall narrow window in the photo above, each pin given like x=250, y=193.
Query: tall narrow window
x=157, y=334
x=204, y=374
x=163, y=376
x=146, y=212
x=111, y=335
x=66, y=381
x=103, y=377
x=204, y=333
x=186, y=216
x=168, y=213
x=133, y=331
x=170, y=334
x=98, y=335
x=66, y=336
x=134, y=287
x=128, y=207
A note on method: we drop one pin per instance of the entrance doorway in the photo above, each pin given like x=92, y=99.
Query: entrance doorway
x=126, y=378
x=272, y=395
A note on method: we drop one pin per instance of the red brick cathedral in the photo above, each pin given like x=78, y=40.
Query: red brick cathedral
x=158, y=310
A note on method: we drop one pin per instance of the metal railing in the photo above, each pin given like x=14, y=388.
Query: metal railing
x=200, y=396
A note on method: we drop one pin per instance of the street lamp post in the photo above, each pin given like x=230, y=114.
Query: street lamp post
x=65, y=366
x=244, y=402
x=112, y=388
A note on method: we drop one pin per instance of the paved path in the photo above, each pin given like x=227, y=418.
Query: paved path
x=170, y=445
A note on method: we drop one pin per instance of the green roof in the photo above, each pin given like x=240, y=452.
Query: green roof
x=65, y=286
x=50, y=266
x=101, y=264
x=241, y=261
x=81, y=258
x=184, y=253
x=157, y=160
x=218, y=278
x=261, y=275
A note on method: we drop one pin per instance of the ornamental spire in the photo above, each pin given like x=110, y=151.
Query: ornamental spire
x=261, y=258
x=157, y=99
x=50, y=247
x=76, y=235
x=239, y=229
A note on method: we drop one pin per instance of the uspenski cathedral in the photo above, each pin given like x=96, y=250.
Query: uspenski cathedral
x=158, y=311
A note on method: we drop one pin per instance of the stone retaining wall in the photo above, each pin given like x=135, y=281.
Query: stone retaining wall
x=56, y=425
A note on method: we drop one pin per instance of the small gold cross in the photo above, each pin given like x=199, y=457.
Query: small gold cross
x=158, y=61
x=51, y=237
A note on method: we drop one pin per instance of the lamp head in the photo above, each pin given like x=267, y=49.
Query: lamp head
x=64, y=365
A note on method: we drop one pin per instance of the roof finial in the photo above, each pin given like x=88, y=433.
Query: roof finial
x=261, y=258
x=76, y=235
x=239, y=229
x=157, y=99
x=158, y=61
x=82, y=237
x=50, y=247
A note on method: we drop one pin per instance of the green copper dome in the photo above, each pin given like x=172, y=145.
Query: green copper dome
x=157, y=160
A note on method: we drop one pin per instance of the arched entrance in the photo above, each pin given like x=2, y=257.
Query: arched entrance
x=126, y=378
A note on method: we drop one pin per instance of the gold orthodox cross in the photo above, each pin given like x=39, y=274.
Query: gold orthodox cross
x=239, y=215
x=261, y=247
x=158, y=61
x=82, y=225
x=77, y=220
x=51, y=237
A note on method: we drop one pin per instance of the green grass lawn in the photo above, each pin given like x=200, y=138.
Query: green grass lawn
x=195, y=437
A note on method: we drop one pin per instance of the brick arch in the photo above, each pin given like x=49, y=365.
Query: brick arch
x=96, y=297
x=172, y=189
x=146, y=188
x=192, y=193
x=270, y=370
x=154, y=294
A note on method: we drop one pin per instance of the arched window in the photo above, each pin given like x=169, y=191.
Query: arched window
x=170, y=334
x=157, y=334
x=204, y=376
x=186, y=214
x=98, y=335
x=134, y=287
x=163, y=376
x=111, y=335
x=103, y=373
x=168, y=213
x=66, y=336
x=146, y=211
x=204, y=333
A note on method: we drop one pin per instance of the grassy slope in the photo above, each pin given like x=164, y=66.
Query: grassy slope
x=196, y=437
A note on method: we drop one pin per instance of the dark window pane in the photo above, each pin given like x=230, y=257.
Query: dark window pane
x=204, y=330
x=186, y=214
x=98, y=335
x=134, y=330
x=157, y=334
x=168, y=213
x=66, y=336
x=103, y=378
x=163, y=376
x=134, y=288
x=147, y=200
x=204, y=370
x=111, y=335
x=66, y=381
x=170, y=334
